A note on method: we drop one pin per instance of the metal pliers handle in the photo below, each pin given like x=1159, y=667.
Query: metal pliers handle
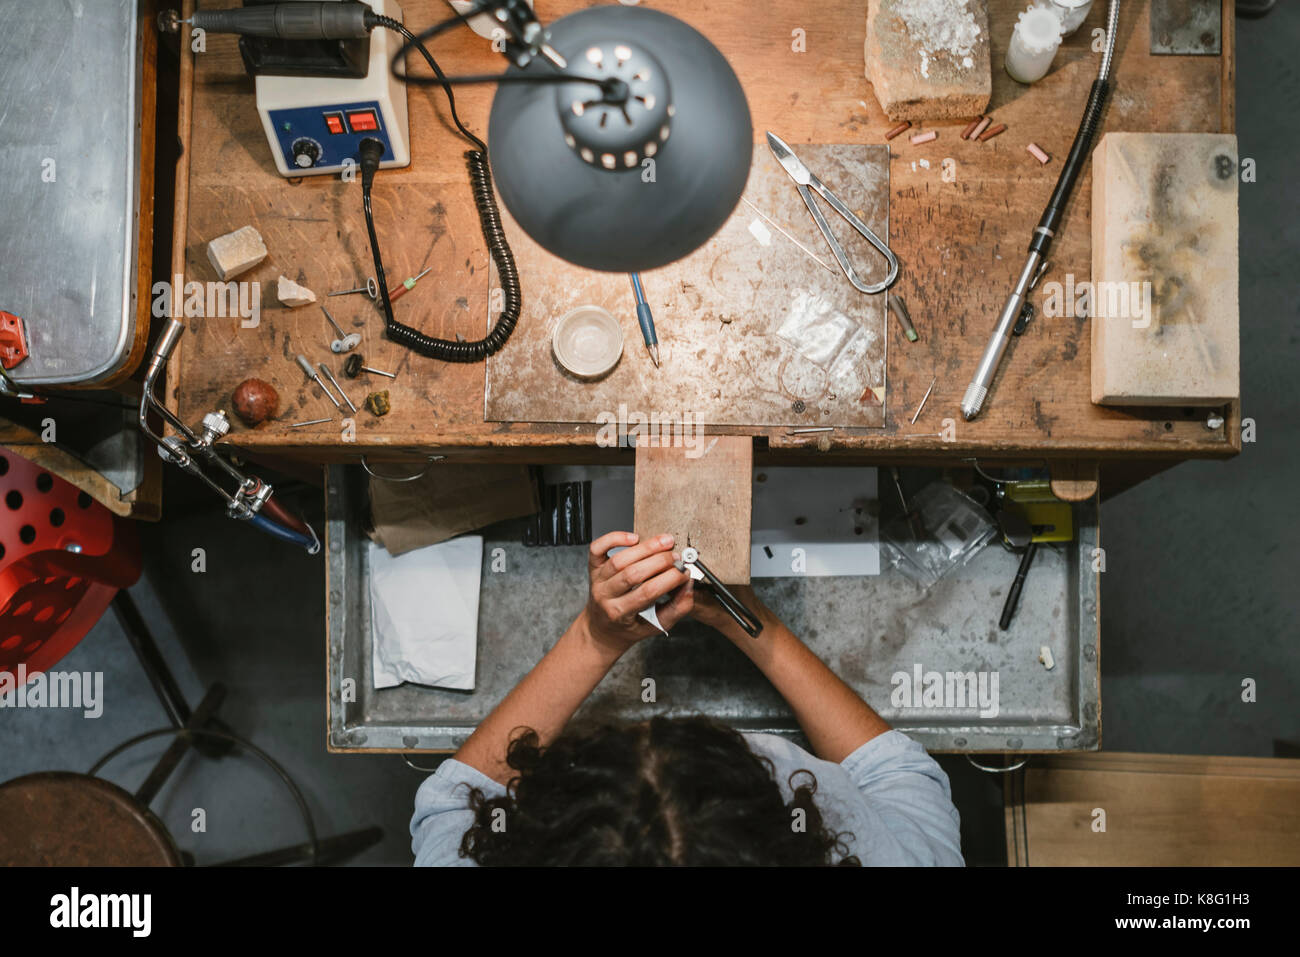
x=733, y=606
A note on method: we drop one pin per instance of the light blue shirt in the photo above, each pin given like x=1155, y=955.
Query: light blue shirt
x=889, y=793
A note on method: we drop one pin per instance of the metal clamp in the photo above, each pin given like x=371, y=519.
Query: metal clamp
x=401, y=478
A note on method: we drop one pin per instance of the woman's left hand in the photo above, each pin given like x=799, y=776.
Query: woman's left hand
x=625, y=584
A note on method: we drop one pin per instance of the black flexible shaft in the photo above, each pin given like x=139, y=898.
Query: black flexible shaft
x=480, y=176
x=1074, y=163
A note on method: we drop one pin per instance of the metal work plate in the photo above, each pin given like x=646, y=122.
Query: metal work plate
x=719, y=314
x=1186, y=27
x=69, y=139
x=867, y=629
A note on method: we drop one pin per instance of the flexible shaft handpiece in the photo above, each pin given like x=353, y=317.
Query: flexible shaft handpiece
x=973, y=401
x=978, y=389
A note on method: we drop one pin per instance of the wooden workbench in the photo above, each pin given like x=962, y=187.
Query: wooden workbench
x=960, y=244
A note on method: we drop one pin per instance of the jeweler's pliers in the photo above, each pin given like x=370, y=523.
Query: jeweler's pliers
x=690, y=564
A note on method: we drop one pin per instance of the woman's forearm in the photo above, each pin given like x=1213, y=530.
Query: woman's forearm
x=833, y=716
x=544, y=700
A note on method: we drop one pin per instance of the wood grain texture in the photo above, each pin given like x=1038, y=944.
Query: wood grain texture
x=750, y=330
x=959, y=242
x=1161, y=810
x=704, y=501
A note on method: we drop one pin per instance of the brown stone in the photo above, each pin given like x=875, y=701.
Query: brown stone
x=929, y=59
x=256, y=401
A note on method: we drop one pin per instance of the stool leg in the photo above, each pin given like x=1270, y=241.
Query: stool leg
x=200, y=717
x=332, y=850
x=160, y=676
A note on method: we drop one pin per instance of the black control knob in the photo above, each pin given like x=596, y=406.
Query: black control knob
x=305, y=153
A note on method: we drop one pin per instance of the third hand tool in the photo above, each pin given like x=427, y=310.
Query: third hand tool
x=690, y=564
x=1018, y=302
x=646, y=319
x=804, y=180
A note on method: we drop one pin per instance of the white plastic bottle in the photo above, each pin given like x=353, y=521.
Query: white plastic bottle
x=1072, y=13
x=1033, y=44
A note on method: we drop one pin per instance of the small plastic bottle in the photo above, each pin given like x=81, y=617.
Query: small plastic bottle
x=1072, y=13
x=1033, y=44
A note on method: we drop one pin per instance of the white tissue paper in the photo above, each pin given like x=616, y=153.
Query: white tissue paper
x=424, y=614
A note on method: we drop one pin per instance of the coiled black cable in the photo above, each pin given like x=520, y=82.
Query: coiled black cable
x=480, y=177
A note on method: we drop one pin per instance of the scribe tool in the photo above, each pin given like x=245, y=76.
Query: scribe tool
x=807, y=182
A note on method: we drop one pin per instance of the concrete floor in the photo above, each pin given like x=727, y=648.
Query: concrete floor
x=1196, y=595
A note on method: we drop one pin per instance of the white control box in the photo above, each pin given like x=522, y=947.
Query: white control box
x=315, y=125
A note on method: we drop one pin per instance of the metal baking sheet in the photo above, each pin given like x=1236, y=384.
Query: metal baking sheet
x=868, y=629
x=69, y=144
x=718, y=313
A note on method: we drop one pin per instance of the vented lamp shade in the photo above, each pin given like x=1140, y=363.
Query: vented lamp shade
x=624, y=186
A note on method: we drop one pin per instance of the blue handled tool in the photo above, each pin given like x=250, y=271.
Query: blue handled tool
x=646, y=320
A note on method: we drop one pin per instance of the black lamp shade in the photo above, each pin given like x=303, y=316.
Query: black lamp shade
x=655, y=205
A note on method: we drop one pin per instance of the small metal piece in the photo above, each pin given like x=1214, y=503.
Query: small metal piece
x=371, y=289
x=806, y=182
x=312, y=374
x=401, y=478
x=820, y=428
x=335, y=382
x=299, y=425
x=332, y=322
x=784, y=233
x=924, y=399
x=1214, y=421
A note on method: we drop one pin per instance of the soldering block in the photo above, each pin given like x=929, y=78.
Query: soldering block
x=236, y=252
x=1164, y=269
x=929, y=59
x=293, y=295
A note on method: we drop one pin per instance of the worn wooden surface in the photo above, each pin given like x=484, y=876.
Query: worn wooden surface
x=702, y=497
x=959, y=242
x=1162, y=810
x=752, y=331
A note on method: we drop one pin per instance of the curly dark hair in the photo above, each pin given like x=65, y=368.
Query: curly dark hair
x=668, y=791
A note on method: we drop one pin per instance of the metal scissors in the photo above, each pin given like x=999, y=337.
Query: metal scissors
x=690, y=564
x=805, y=179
